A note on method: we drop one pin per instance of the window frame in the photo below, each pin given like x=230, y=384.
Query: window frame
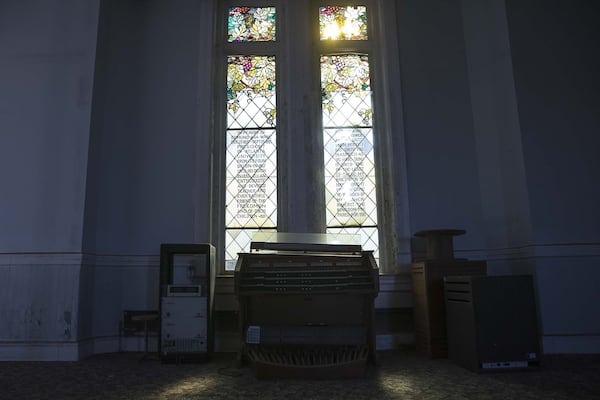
x=302, y=123
x=223, y=48
x=350, y=47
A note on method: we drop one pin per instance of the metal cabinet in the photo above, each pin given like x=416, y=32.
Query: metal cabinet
x=187, y=279
x=184, y=321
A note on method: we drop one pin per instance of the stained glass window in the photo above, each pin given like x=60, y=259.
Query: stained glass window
x=350, y=195
x=254, y=128
x=251, y=24
x=251, y=155
x=343, y=23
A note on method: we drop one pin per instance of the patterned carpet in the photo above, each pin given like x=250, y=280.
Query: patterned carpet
x=398, y=375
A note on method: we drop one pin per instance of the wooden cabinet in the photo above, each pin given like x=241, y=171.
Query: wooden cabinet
x=429, y=305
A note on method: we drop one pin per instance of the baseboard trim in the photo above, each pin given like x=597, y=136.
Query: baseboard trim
x=39, y=351
x=75, y=351
x=394, y=341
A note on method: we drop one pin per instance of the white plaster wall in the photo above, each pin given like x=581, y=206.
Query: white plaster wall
x=129, y=285
x=443, y=187
x=39, y=301
x=558, y=90
x=148, y=176
x=148, y=181
x=47, y=51
x=556, y=65
x=39, y=298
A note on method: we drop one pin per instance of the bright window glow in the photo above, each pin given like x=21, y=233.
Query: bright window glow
x=343, y=23
x=350, y=194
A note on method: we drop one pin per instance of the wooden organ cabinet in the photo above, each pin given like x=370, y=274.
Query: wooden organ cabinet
x=306, y=305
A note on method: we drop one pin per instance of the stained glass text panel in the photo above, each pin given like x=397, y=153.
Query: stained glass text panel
x=350, y=177
x=251, y=179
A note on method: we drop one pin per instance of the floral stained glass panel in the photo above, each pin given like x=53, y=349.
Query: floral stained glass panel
x=251, y=152
x=251, y=24
x=343, y=23
x=350, y=184
x=346, y=91
x=250, y=91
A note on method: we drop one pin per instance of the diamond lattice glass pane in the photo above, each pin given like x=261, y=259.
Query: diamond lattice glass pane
x=251, y=179
x=238, y=241
x=343, y=23
x=251, y=24
x=368, y=236
x=251, y=95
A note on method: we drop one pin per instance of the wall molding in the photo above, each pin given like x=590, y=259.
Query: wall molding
x=567, y=250
x=128, y=260
x=571, y=344
x=68, y=258
x=40, y=259
x=536, y=250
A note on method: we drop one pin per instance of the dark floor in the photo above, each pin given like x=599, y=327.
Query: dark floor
x=398, y=375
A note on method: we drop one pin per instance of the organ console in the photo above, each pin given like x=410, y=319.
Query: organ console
x=306, y=305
